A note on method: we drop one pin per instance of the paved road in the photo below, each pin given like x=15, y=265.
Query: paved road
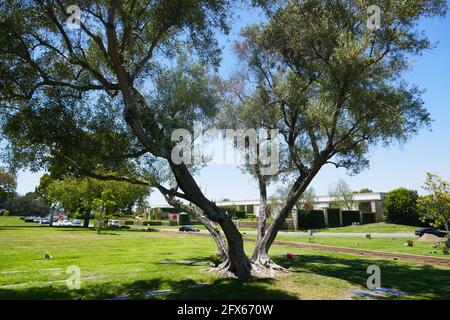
x=323, y=234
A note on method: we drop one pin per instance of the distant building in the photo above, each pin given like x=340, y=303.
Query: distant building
x=365, y=202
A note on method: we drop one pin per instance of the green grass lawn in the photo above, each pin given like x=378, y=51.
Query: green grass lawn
x=378, y=244
x=12, y=221
x=128, y=263
x=380, y=227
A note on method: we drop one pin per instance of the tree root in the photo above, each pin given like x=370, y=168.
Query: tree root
x=262, y=268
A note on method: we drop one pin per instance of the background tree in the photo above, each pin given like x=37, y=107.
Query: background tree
x=111, y=93
x=77, y=195
x=342, y=196
x=8, y=186
x=436, y=205
x=305, y=202
x=29, y=204
x=400, y=207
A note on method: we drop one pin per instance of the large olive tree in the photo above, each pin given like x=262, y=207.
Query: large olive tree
x=329, y=79
x=107, y=90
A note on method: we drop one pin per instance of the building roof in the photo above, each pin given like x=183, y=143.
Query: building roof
x=373, y=196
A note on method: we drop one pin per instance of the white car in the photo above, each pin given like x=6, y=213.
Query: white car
x=66, y=223
x=76, y=223
x=62, y=223
x=113, y=223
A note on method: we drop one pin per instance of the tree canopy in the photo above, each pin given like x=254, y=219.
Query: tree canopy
x=435, y=206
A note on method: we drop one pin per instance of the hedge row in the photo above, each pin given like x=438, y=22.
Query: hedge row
x=333, y=218
x=368, y=217
x=349, y=216
x=311, y=219
x=315, y=219
x=183, y=219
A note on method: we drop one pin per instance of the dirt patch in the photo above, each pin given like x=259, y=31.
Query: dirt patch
x=430, y=238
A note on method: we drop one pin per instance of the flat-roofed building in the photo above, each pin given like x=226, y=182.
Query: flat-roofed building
x=365, y=202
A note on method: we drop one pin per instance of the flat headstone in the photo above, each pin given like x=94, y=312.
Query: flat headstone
x=156, y=292
x=390, y=291
x=366, y=294
x=120, y=298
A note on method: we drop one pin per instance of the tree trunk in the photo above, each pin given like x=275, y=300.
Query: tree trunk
x=448, y=235
x=218, y=237
x=261, y=263
x=87, y=217
x=237, y=263
x=261, y=253
x=209, y=225
x=263, y=206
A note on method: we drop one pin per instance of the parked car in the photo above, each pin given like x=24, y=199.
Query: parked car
x=67, y=223
x=29, y=219
x=77, y=223
x=114, y=224
x=44, y=221
x=37, y=219
x=188, y=228
x=421, y=231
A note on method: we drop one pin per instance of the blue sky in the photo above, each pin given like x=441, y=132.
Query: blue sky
x=392, y=167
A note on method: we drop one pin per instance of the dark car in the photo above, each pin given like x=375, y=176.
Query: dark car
x=188, y=228
x=421, y=231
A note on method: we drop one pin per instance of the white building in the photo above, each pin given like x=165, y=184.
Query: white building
x=366, y=202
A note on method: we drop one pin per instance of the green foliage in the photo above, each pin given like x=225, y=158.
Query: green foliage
x=231, y=210
x=311, y=219
x=350, y=216
x=183, y=219
x=5, y=213
x=8, y=186
x=364, y=190
x=29, y=204
x=216, y=260
x=400, y=207
x=436, y=205
x=240, y=215
x=77, y=195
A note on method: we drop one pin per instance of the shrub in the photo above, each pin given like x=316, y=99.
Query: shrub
x=216, y=260
x=230, y=209
x=400, y=207
x=183, y=219
x=348, y=217
x=311, y=219
x=333, y=218
x=240, y=215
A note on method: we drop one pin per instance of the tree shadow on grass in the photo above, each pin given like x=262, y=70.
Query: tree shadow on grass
x=420, y=281
x=226, y=288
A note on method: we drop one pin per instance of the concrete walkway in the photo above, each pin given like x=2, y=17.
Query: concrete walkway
x=320, y=234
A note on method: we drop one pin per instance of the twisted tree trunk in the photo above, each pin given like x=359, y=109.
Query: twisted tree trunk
x=261, y=262
x=261, y=252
